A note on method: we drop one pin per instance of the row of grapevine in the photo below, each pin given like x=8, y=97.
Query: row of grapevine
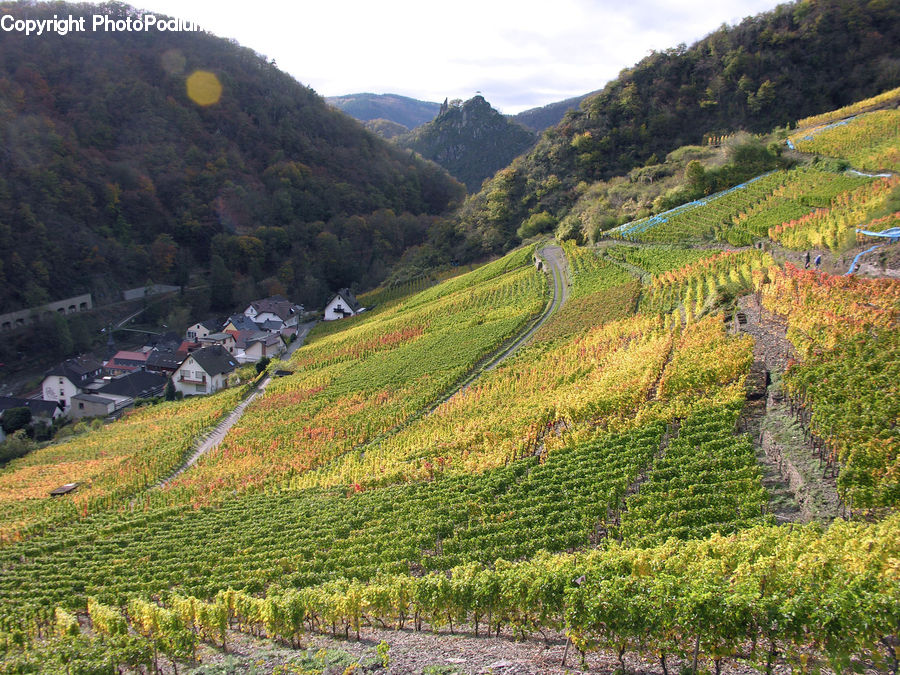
x=653, y=260
x=707, y=481
x=702, y=218
x=835, y=227
x=112, y=464
x=805, y=190
x=768, y=597
x=601, y=378
x=307, y=537
x=885, y=98
x=868, y=141
x=698, y=286
x=590, y=273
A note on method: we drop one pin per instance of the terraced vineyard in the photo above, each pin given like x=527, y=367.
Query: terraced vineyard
x=112, y=464
x=868, y=141
x=354, y=385
x=594, y=483
x=835, y=227
x=846, y=330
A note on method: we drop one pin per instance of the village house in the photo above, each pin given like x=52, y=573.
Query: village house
x=164, y=361
x=201, y=329
x=142, y=384
x=252, y=346
x=224, y=340
x=186, y=348
x=111, y=396
x=123, y=362
x=69, y=378
x=343, y=304
x=276, y=313
x=204, y=371
x=239, y=322
x=43, y=412
x=94, y=405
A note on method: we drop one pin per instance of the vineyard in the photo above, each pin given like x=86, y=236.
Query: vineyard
x=351, y=387
x=883, y=99
x=835, y=226
x=846, y=384
x=111, y=464
x=596, y=486
x=868, y=141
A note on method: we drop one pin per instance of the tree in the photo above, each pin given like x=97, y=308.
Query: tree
x=170, y=390
x=221, y=284
x=61, y=336
x=17, y=445
x=535, y=224
x=15, y=418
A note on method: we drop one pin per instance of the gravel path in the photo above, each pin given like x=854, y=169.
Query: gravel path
x=410, y=653
x=555, y=259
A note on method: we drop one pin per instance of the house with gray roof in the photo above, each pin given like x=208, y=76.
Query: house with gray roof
x=41, y=411
x=204, y=371
x=68, y=378
x=343, y=304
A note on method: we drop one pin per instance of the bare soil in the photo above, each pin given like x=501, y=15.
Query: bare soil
x=413, y=653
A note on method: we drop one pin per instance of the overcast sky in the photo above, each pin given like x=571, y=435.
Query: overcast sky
x=518, y=54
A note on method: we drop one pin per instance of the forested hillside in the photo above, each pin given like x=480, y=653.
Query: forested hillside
x=111, y=170
x=800, y=59
x=538, y=119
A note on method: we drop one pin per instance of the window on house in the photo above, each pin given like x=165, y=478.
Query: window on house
x=80, y=405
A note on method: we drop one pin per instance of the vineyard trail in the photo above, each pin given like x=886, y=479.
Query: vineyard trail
x=555, y=261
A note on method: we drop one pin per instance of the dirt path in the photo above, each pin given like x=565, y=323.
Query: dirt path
x=211, y=439
x=798, y=488
x=410, y=653
x=770, y=343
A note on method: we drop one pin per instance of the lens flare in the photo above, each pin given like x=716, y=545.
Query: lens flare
x=204, y=88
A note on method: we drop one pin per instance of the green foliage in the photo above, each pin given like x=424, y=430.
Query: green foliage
x=707, y=481
x=15, y=418
x=747, y=159
x=536, y=223
x=16, y=445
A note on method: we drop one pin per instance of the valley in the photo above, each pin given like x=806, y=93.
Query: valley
x=647, y=425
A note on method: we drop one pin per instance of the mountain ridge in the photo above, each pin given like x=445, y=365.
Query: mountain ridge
x=471, y=140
